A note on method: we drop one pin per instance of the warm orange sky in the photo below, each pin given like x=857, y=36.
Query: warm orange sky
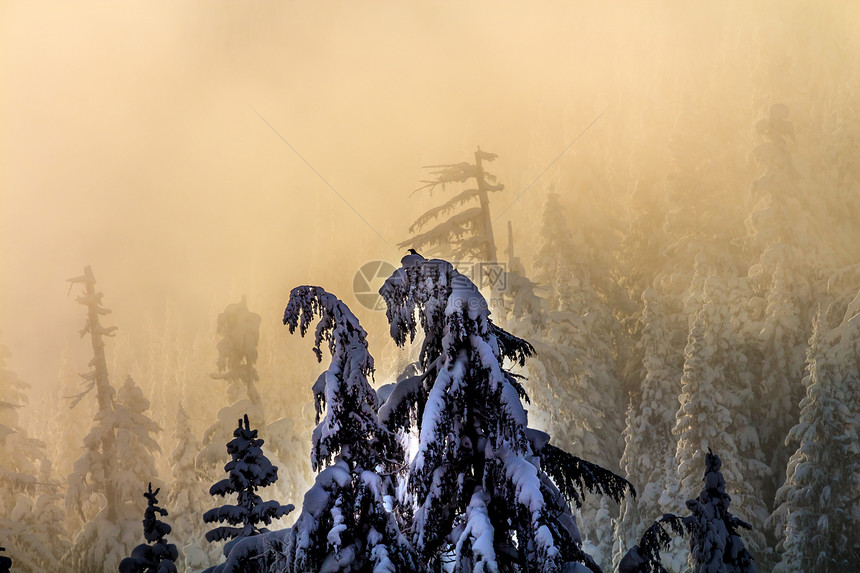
x=132, y=139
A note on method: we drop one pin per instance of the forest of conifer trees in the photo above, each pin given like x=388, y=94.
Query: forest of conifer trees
x=629, y=343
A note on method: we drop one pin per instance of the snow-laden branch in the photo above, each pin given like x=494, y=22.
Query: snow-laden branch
x=574, y=476
x=447, y=207
x=348, y=521
x=350, y=425
x=453, y=229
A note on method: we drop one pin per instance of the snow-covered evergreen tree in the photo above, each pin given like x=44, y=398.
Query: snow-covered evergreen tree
x=288, y=440
x=575, y=375
x=19, y=463
x=135, y=440
x=556, y=255
x=490, y=493
x=600, y=534
x=156, y=555
x=818, y=518
x=780, y=229
x=715, y=393
x=348, y=522
x=715, y=543
x=649, y=453
x=109, y=535
x=19, y=459
x=575, y=368
x=186, y=498
x=45, y=521
x=247, y=471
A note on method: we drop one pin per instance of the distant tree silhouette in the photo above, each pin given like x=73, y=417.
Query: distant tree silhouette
x=239, y=335
x=106, y=471
x=468, y=233
x=239, y=329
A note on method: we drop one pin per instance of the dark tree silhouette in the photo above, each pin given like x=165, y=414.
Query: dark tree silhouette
x=239, y=329
x=468, y=233
x=156, y=555
x=248, y=471
x=715, y=545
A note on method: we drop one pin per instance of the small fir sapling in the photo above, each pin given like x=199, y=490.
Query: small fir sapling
x=248, y=470
x=156, y=555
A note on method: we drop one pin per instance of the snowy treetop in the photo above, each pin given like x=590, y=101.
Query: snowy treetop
x=343, y=389
x=479, y=473
x=433, y=295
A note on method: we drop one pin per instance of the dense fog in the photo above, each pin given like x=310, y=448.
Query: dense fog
x=197, y=153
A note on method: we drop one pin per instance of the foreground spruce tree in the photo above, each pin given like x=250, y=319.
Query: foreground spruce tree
x=248, y=471
x=715, y=546
x=714, y=541
x=490, y=493
x=347, y=522
x=156, y=555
